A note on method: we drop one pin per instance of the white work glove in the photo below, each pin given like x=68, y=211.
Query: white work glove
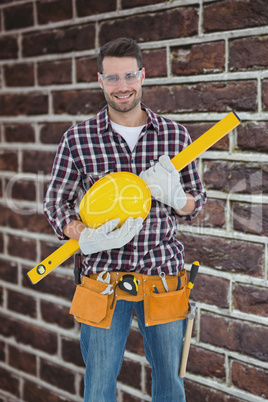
x=106, y=238
x=164, y=184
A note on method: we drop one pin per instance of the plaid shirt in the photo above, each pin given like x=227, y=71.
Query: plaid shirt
x=91, y=150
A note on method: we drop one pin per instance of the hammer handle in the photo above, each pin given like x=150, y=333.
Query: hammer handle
x=186, y=347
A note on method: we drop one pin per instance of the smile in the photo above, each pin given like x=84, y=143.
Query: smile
x=123, y=96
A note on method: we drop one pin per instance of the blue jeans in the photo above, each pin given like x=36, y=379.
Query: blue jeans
x=103, y=352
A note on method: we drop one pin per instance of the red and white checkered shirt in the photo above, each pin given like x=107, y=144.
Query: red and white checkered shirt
x=91, y=150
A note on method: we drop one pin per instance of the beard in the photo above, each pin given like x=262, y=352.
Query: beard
x=122, y=106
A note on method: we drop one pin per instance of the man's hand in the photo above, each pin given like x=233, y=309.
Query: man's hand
x=164, y=184
x=106, y=238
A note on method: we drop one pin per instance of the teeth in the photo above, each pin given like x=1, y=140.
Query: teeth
x=123, y=97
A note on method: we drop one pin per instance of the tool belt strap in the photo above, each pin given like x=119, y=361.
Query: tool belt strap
x=93, y=308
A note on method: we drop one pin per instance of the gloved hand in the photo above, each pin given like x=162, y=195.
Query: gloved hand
x=106, y=238
x=164, y=184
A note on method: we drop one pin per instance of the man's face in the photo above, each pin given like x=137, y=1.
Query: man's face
x=122, y=97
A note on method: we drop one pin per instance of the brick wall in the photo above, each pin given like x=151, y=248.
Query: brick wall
x=203, y=59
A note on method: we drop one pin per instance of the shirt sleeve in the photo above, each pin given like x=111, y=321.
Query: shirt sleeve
x=192, y=184
x=60, y=200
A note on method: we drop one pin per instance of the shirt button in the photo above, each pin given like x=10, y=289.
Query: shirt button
x=132, y=161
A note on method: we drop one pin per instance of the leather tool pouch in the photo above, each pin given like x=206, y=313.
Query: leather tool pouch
x=90, y=306
x=164, y=307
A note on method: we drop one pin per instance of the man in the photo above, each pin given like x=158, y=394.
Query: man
x=127, y=136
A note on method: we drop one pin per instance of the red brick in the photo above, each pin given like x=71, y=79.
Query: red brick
x=21, y=189
x=212, y=215
x=206, y=363
x=2, y=351
x=250, y=379
x=21, y=303
x=52, y=284
x=78, y=102
x=155, y=63
x=231, y=15
x=8, y=161
x=85, y=7
x=251, y=218
x=22, y=361
x=86, y=69
x=211, y=290
x=21, y=132
x=23, y=104
x=205, y=58
x=135, y=342
x=19, y=75
x=130, y=373
x=9, y=271
x=19, y=218
x=37, y=161
x=233, y=177
x=249, y=339
x=56, y=314
x=226, y=255
x=54, y=11
x=198, y=393
x=265, y=94
x=203, y=97
x=34, y=392
x=21, y=247
x=251, y=299
x=253, y=136
x=248, y=53
x=51, y=133
x=129, y=398
x=9, y=382
x=20, y=16
x=8, y=47
x=199, y=128
x=56, y=72
x=177, y=23
x=71, y=352
x=29, y=334
x=57, y=376
x=59, y=41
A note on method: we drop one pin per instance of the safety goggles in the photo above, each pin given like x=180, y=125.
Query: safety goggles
x=114, y=79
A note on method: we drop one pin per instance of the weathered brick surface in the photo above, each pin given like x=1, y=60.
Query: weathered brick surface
x=246, y=338
x=19, y=75
x=249, y=53
x=54, y=11
x=231, y=15
x=206, y=363
x=226, y=255
x=19, y=16
x=21, y=360
x=245, y=178
x=240, y=377
x=198, y=59
x=59, y=41
x=209, y=97
x=211, y=290
x=253, y=136
x=19, y=133
x=57, y=376
x=251, y=299
x=202, y=60
x=177, y=23
x=57, y=72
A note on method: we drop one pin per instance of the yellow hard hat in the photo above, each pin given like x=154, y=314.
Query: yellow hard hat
x=117, y=195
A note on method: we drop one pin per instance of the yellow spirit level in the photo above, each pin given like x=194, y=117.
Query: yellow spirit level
x=121, y=200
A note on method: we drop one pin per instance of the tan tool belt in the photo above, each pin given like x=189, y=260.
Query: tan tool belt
x=93, y=308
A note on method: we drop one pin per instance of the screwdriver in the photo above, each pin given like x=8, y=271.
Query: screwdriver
x=193, y=273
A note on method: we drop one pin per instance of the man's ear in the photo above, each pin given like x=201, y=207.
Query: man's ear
x=100, y=81
x=142, y=75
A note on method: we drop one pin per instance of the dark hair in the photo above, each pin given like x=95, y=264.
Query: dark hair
x=121, y=47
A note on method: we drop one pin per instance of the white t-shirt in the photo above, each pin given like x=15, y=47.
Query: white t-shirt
x=130, y=134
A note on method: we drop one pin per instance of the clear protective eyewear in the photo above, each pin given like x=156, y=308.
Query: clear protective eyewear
x=114, y=79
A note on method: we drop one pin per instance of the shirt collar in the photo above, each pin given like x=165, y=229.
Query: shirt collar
x=103, y=119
